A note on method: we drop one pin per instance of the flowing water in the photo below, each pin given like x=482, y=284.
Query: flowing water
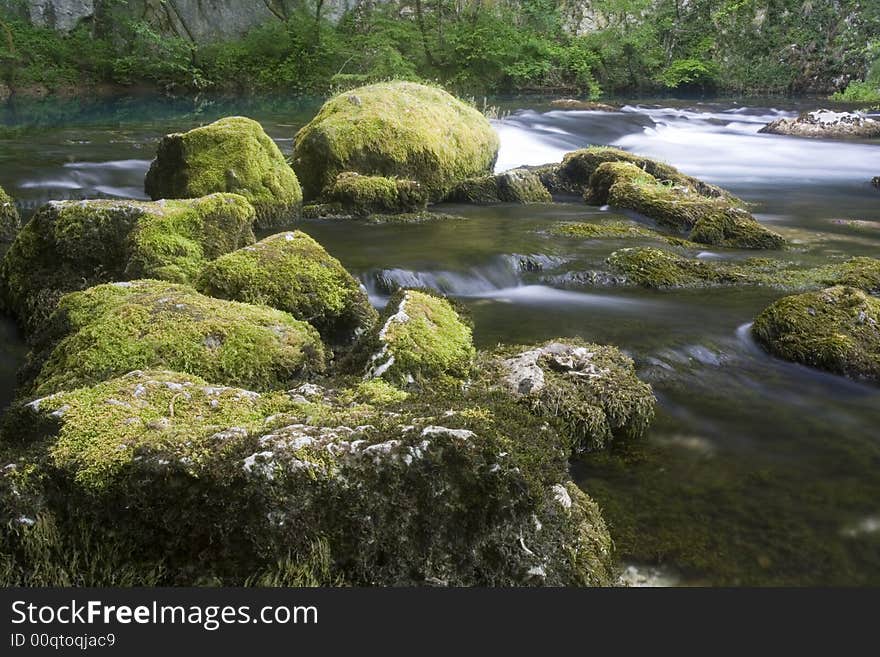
x=756, y=471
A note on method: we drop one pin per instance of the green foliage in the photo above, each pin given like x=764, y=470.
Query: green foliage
x=689, y=72
x=475, y=47
x=859, y=92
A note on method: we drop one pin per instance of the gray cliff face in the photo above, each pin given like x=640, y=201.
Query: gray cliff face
x=200, y=21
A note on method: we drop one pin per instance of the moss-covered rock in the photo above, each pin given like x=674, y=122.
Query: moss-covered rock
x=590, y=392
x=72, y=245
x=514, y=186
x=419, y=337
x=395, y=129
x=10, y=221
x=582, y=105
x=836, y=329
x=715, y=220
x=573, y=175
x=292, y=272
x=655, y=268
x=234, y=155
x=361, y=196
x=200, y=483
x=115, y=328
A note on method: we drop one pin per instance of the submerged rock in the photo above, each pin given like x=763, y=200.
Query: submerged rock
x=826, y=124
x=514, y=186
x=587, y=105
x=111, y=329
x=292, y=272
x=836, y=329
x=656, y=268
x=235, y=155
x=10, y=221
x=360, y=196
x=212, y=484
x=715, y=220
x=72, y=245
x=395, y=129
x=419, y=337
x=591, y=392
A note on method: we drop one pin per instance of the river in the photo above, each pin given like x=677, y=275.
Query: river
x=756, y=471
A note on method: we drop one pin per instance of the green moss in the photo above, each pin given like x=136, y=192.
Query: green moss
x=292, y=272
x=73, y=245
x=10, y=222
x=837, y=329
x=654, y=268
x=514, y=186
x=336, y=211
x=378, y=392
x=660, y=269
x=419, y=337
x=395, y=129
x=116, y=328
x=715, y=220
x=617, y=230
x=235, y=155
x=573, y=175
x=360, y=196
x=590, y=392
x=206, y=484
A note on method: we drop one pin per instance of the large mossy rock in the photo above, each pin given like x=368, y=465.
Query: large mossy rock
x=514, y=186
x=395, y=129
x=714, y=220
x=360, y=196
x=115, y=328
x=590, y=392
x=420, y=337
x=836, y=329
x=573, y=175
x=10, y=221
x=230, y=155
x=72, y=245
x=204, y=484
x=292, y=272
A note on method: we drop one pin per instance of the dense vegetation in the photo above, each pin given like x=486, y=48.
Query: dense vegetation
x=780, y=46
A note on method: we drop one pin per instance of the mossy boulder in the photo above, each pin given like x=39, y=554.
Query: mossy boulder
x=292, y=272
x=514, y=186
x=589, y=392
x=395, y=129
x=836, y=329
x=419, y=337
x=233, y=155
x=115, y=328
x=72, y=245
x=10, y=221
x=573, y=175
x=714, y=220
x=360, y=196
x=655, y=268
x=206, y=484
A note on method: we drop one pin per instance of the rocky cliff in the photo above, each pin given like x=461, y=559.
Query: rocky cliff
x=201, y=21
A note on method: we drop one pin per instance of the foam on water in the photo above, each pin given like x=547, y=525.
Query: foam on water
x=723, y=147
